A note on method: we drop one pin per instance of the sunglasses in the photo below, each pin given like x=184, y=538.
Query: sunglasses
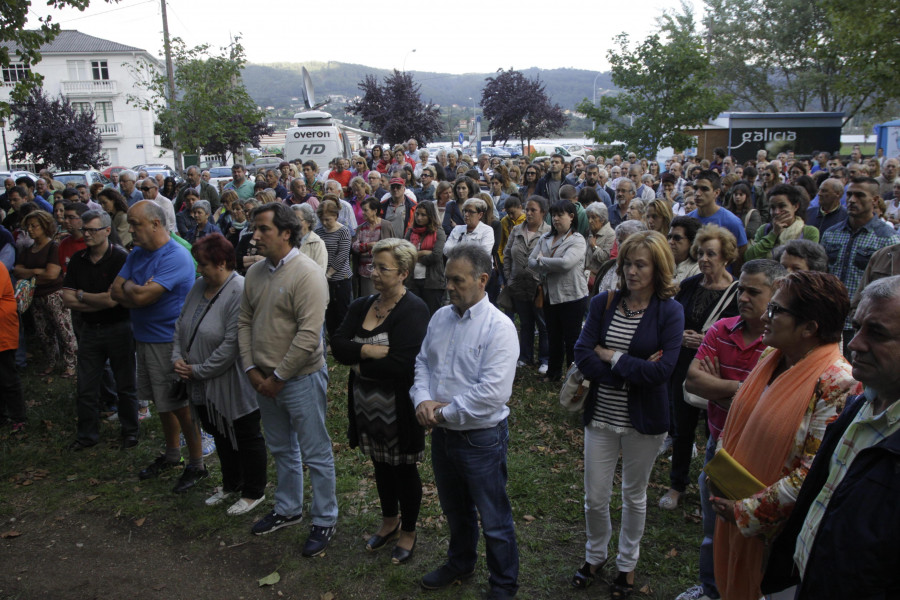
x=774, y=309
x=675, y=237
x=146, y=188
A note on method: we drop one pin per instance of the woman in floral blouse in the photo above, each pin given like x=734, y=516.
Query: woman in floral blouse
x=777, y=421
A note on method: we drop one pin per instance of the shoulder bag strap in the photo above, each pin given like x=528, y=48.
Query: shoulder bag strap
x=206, y=310
x=727, y=297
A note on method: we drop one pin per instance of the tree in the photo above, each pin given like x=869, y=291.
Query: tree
x=519, y=107
x=212, y=113
x=782, y=55
x=394, y=111
x=666, y=87
x=20, y=45
x=51, y=132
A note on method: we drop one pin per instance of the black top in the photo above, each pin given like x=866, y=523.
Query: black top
x=95, y=278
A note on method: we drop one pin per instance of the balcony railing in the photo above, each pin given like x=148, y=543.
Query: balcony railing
x=96, y=87
x=110, y=130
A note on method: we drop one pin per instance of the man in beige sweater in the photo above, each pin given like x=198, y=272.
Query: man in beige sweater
x=280, y=336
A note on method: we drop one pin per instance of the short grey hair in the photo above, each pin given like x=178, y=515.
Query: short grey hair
x=128, y=173
x=307, y=214
x=814, y=254
x=152, y=211
x=477, y=203
x=150, y=181
x=772, y=269
x=193, y=168
x=90, y=215
x=598, y=209
x=475, y=255
x=885, y=288
x=203, y=205
x=603, y=172
x=627, y=228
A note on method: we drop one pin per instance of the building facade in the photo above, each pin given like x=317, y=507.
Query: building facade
x=99, y=75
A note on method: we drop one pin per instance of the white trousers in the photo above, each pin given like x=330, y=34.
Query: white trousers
x=601, y=455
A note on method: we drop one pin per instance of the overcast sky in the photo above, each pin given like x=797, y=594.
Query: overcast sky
x=447, y=38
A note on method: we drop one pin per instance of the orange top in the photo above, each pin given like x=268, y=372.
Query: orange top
x=9, y=316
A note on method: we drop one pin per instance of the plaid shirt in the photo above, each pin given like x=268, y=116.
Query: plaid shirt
x=849, y=251
x=865, y=431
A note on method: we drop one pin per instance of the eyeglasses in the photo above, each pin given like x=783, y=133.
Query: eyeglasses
x=774, y=309
x=146, y=188
x=72, y=218
x=675, y=237
x=91, y=230
x=382, y=269
x=470, y=211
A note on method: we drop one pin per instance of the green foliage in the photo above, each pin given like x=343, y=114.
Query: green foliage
x=212, y=112
x=783, y=55
x=51, y=132
x=27, y=42
x=666, y=87
x=517, y=106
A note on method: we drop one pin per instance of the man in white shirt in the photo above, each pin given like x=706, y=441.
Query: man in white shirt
x=464, y=377
x=150, y=189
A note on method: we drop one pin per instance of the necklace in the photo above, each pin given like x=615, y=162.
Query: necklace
x=631, y=313
x=381, y=316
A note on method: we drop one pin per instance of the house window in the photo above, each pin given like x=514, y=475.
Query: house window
x=99, y=70
x=82, y=107
x=15, y=72
x=77, y=70
x=104, y=112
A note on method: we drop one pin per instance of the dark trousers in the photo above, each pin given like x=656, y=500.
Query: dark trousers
x=108, y=398
x=340, y=293
x=97, y=344
x=399, y=487
x=243, y=468
x=564, y=322
x=686, y=419
x=531, y=317
x=12, y=400
x=433, y=298
x=470, y=472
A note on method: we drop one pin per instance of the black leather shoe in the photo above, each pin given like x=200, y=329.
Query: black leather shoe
x=376, y=541
x=443, y=577
x=129, y=441
x=189, y=478
x=78, y=446
x=158, y=466
x=401, y=555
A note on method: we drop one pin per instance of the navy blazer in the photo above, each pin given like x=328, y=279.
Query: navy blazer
x=662, y=328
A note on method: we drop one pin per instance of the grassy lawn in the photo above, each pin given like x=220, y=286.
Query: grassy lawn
x=39, y=479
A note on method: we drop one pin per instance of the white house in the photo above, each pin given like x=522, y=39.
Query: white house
x=93, y=73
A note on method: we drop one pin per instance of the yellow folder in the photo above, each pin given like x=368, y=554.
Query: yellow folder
x=731, y=479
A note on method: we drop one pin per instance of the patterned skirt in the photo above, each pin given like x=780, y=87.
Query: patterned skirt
x=375, y=408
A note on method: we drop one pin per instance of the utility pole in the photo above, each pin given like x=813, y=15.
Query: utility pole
x=170, y=74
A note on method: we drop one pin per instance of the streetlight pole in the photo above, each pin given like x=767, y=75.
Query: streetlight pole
x=5, y=151
x=405, y=57
x=595, y=96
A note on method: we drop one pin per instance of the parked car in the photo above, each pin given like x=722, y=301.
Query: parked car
x=88, y=177
x=219, y=176
x=499, y=151
x=108, y=171
x=576, y=149
x=267, y=162
x=153, y=169
x=4, y=175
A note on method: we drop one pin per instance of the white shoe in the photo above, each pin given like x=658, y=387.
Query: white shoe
x=542, y=370
x=219, y=495
x=521, y=363
x=242, y=506
x=144, y=415
x=695, y=593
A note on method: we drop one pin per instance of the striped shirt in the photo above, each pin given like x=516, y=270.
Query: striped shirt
x=611, y=410
x=866, y=430
x=337, y=244
x=725, y=341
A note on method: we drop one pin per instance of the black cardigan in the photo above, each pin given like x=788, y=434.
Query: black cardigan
x=406, y=326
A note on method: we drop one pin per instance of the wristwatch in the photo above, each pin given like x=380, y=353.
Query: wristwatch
x=439, y=415
x=80, y=295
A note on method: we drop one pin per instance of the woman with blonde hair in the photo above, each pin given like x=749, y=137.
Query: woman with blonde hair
x=658, y=216
x=627, y=349
x=337, y=243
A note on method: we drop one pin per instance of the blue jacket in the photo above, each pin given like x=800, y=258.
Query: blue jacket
x=855, y=553
x=452, y=217
x=661, y=329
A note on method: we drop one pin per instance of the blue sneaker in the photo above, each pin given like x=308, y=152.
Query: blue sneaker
x=209, y=443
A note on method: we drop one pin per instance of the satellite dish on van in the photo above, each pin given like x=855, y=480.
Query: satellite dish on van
x=308, y=95
x=309, y=99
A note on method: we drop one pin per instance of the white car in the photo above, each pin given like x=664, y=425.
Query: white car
x=576, y=150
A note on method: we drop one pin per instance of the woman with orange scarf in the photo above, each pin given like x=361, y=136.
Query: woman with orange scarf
x=427, y=280
x=777, y=421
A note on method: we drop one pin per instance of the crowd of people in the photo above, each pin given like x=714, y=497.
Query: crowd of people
x=755, y=300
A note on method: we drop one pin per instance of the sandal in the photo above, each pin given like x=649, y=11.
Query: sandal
x=585, y=575
x=69, y=374
x=670, y=500
x=620, y=589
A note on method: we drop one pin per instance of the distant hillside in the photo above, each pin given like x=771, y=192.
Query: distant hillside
x=276, y=84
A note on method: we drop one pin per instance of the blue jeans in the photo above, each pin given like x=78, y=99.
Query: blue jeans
x=294, y=424
x=530, y=317
x=470, y=472
x=707, y=570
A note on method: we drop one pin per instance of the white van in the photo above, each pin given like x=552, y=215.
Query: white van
x=321, y=138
